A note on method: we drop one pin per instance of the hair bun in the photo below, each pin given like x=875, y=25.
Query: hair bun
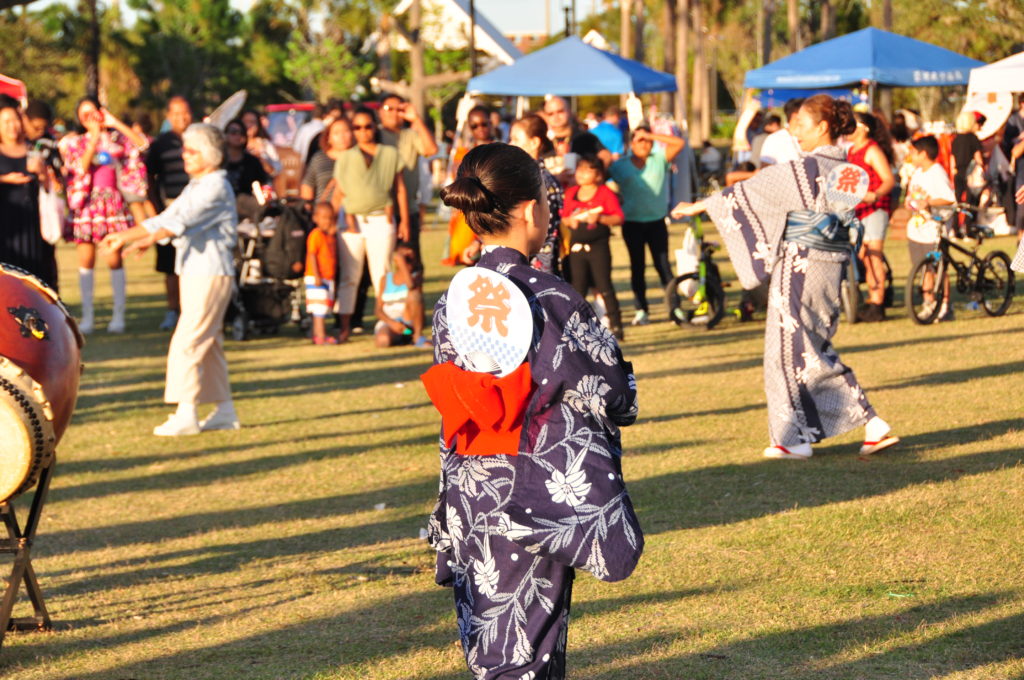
x=468, y=194
x=845, y=122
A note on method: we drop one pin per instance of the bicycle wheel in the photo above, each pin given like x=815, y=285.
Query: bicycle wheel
x=849, y=291
x=996, y=283
x=714, y=294
x=890, y=290
x=925, y=291
x=676, y=302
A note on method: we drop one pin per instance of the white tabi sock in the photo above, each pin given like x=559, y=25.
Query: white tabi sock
x=876, y=429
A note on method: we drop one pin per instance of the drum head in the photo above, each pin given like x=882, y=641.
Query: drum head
x=26, y=427
x=489, y=321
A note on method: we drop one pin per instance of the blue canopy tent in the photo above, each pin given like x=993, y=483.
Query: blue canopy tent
x=871, y=55
x=572, y=67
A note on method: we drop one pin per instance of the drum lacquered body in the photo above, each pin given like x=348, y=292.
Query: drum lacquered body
x=40, y=365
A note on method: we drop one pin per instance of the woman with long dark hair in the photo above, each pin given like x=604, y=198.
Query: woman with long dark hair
x=781, y=226
x=104, y=154
x=871, y=150
x=531, y=483
x=21, y=242
x=530, y=133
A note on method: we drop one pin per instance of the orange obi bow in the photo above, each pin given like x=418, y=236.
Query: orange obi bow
x=482, y=411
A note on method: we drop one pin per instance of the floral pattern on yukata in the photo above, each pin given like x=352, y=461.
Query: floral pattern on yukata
x=811, y=394
x=510, y=529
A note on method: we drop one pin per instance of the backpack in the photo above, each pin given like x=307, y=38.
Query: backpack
x=285, y=254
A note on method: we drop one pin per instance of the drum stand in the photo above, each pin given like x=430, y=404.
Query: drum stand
x=19, y=543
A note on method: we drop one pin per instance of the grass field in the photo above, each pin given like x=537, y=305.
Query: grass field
x=290, y=549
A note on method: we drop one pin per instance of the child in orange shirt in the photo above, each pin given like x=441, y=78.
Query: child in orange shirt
x=321, y=263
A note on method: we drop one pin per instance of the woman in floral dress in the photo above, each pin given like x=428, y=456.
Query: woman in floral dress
x=531, y=484
x=103, y=155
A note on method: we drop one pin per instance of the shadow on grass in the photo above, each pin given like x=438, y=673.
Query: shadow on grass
x=207, y=475
x=181, y=526
x=801, y=654
x=959, y=375
x=383, y=628
x=353, y=643
x=726, y=494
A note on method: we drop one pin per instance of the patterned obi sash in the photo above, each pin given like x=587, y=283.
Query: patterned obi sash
x=824, y=231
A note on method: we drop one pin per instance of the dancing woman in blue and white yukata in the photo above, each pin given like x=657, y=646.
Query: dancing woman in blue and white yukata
x=531, y=483
x=781, y=225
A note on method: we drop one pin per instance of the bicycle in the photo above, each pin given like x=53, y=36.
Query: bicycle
x=706, y=307
x=851, y=295
x=988, y=281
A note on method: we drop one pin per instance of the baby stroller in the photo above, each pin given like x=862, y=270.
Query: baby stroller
x=270, y=262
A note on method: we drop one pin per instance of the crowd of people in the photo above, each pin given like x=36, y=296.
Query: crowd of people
x=367, y=179
x=922, y=167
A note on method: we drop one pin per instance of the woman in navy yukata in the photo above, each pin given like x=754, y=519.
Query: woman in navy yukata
x=782, y=225
x=531, y=484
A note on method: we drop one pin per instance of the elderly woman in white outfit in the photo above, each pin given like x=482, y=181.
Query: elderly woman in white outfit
x=203, y=226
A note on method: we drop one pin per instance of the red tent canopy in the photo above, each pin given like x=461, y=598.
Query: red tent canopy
x=13, y=87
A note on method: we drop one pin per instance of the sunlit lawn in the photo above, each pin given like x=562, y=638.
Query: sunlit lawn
x=290, y=549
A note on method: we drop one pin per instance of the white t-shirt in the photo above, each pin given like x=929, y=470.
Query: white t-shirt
x=931, y=184
x=779, y=147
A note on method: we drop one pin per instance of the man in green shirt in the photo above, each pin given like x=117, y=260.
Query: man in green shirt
x=412, y=142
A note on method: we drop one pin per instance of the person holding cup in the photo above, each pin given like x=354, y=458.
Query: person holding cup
x=104, y=153
x=21, y=174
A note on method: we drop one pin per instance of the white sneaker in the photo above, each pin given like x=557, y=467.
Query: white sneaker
x=798, y=452
x=115, y=326
x=219, y=421
x=175, y=426
x=170, y=320
x=641, y=318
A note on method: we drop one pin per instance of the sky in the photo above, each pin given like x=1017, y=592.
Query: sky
x=510, y=16
x=527, y=16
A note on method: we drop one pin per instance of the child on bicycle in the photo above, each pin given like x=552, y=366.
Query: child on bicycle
x=929, y=187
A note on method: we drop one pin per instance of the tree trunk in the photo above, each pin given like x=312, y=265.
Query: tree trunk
x=710, y=86
x=699, y=98
x=765, y=17
x=682, y=54
x=417, y=88
x=638, y=30
x=625, y=37
x=626, y=28
x=92, y=54
x=828, y=20
x=885, y=93
x=668, y=53
x=793, y=19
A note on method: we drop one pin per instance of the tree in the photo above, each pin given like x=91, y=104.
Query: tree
x=195, y=49
x=419, y=81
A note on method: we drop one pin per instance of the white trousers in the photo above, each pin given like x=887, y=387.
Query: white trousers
x=374, y=242
x=197, y=371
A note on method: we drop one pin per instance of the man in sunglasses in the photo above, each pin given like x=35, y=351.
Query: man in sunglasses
x=413, y=142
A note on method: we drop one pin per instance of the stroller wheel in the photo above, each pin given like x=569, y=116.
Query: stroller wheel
x=240, y=326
